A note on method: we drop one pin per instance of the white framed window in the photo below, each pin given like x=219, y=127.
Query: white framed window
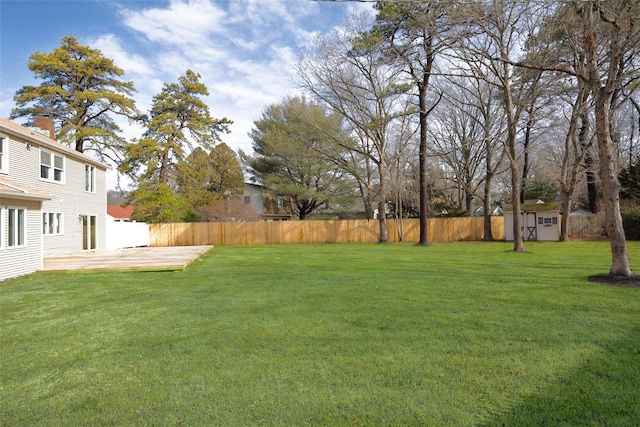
x=548, y=221
x=89, y=178
x=51, y=166
x=16, y=227
x=52, y=223
x=4, y=154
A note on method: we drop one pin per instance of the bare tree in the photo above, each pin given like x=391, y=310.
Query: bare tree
x=457, y=141
x=358, y=83
x=621, y=19
x=500, y=27
x=577, y=144
x=401, y=149
x=606, y=35
x=413, y=33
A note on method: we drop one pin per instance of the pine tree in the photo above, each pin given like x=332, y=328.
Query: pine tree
x=207, y=178
x=82, y=91
x=179, y=122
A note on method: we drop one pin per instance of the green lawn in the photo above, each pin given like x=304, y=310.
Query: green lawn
x=454, y=334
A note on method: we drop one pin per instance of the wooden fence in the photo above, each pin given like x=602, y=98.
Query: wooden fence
x=330, y=231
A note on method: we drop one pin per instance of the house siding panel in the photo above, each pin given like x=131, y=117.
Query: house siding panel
x=68, y=198
x=26, y=259
x=72, y=200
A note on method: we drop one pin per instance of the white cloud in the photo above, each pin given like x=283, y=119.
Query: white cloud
x=266, y=13
x=134, y=65
x=245, y=51
x=182, y=23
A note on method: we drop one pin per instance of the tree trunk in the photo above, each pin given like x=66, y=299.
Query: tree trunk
x=382, y=205
x=575, y=150
x=565, y=209
x=486, y=208
x=602, y=94
x=422, y=160
x=79, y=139
x=518, y=245
x=525, y=164
x=468, y=201
x=592, y=191
x=620, y=265
x=512, y=152
x=164, y=162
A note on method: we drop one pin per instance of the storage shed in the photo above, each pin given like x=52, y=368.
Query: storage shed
x=540, y=221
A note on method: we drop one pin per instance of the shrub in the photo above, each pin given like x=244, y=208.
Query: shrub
x=631, y=223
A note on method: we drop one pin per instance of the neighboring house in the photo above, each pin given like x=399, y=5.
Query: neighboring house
x=268, y=206
x=120, y=213
x=52, y=198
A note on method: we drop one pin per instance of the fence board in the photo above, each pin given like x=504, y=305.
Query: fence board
x=330, y=231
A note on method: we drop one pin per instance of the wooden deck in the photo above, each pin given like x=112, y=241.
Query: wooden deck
x=137, y=259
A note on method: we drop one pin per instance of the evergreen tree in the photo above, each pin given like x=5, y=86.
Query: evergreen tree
x=204, y=178
x=157, y=203
x=288, y=141
x=81, y=90
x=630, y=180
x=179, y=122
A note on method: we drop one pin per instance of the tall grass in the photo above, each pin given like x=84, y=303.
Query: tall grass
x=452, y=334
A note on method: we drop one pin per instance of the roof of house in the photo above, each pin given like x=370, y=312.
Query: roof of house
x=120, y=212
x=36, y=138
x=9, y=188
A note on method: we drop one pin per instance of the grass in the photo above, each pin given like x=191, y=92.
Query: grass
x=459, y=334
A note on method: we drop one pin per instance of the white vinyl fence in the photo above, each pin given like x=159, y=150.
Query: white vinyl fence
x=126, y=234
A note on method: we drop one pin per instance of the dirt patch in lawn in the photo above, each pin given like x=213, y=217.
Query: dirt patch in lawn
x=628, y=282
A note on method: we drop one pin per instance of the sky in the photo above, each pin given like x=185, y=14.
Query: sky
x=244, y=50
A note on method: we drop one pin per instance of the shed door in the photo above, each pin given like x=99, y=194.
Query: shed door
x=531, y=226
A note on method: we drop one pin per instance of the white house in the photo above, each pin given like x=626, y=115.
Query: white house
x=52, y=198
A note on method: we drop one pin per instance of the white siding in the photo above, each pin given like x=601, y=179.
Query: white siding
x=69, y=198
x=26, y=259
x=72, y=200
x=543, y=233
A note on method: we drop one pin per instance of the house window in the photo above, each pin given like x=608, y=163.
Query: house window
x=90, y=178
x=247, y=199
x=51, y=166
x=16, y=227
x=52, y=223
x=280, y=202
x=3, y=154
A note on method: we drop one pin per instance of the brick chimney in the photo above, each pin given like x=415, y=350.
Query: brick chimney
x=45, y=123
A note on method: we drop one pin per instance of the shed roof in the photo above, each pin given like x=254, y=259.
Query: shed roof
x=534, y=206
